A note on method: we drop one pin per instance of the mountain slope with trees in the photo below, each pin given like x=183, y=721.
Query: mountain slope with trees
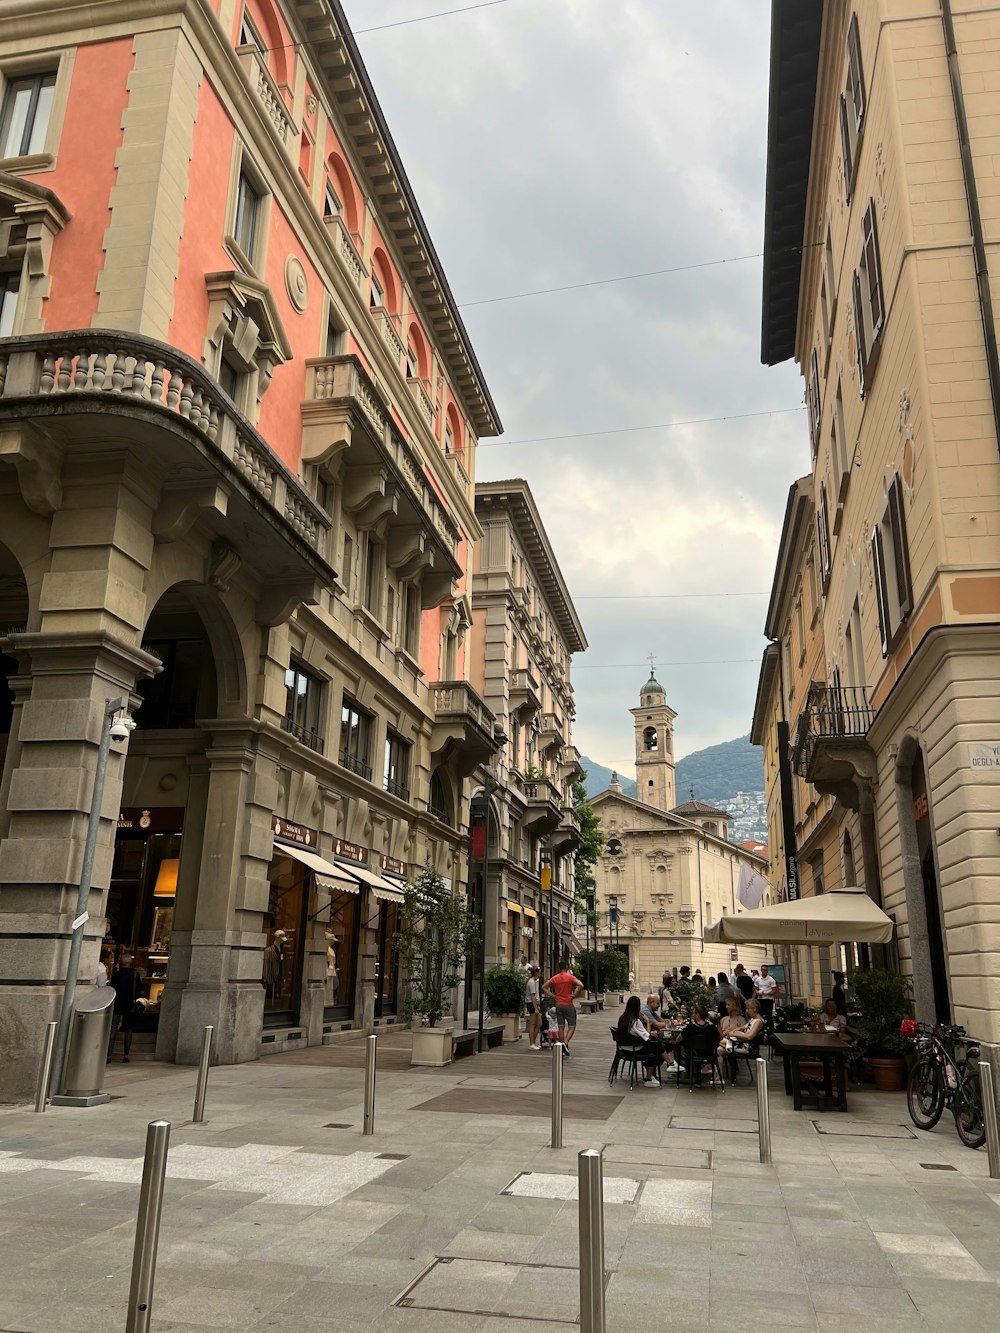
x=715, y=774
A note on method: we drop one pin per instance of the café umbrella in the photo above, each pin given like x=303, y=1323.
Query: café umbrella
x=846, y=915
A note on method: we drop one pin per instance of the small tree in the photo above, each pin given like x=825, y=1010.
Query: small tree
x=884, y=999
x=505, y=990
x=587, y=854
x=437, y=934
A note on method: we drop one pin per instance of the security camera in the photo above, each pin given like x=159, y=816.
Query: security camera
x=120, y=729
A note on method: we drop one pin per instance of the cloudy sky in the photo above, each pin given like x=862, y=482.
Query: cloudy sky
x=558, y=142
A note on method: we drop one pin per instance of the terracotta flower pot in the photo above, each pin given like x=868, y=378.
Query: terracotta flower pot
x=889, y=1073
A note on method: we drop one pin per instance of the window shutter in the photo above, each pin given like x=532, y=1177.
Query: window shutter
x=815, y=404
x=859, y=331
x=836, y=701
x=901, y=555
x=881, y=592
x=873, y=268
x=845, y=143
x=857, y=73
x=823, y=535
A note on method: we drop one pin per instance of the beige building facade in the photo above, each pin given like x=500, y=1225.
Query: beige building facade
x=882, y=228
x=668, y=871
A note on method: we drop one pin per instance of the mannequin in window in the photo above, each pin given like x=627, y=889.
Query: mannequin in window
x=274, y=964
x=332, y=979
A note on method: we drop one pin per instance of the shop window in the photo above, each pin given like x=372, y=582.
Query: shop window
x=852, y=107
x=25, y=113
x=285, y=924
x=869, y=300
x=341, y=938
x=141, y=896
x=10, y=286
x=303, y=706
x=439, y=802
x=891, y=561
x=355, y=739
x=397, y=766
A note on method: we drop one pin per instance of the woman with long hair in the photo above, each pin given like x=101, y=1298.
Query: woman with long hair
x=632, y=1024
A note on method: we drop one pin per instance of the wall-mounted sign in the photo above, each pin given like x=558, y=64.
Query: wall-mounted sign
x=350, y=851
x=392, y=866
x=920, y=808
x=984, y=757
x=297, y=833
x=157, y=819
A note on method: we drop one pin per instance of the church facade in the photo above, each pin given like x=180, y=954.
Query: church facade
x=668, y=871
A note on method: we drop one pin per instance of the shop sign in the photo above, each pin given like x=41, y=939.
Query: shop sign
x=157, y=819
x=297, y=833
x=350, y=851
x=984, y=756
x=392, y=866
x=920, y=808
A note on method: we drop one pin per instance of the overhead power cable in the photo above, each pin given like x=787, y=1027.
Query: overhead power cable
x=642, y=666
x=628, y=430
x=425, y=18
x=658, y=596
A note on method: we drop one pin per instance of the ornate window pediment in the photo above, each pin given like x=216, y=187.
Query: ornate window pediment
x=244, y=330
x=30, y=219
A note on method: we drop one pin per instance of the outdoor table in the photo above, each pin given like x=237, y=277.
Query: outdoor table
x=824, y=1046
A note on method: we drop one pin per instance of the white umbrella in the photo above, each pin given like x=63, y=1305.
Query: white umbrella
x=845, y=915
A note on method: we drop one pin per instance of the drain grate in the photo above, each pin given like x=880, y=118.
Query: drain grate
x=937, y=1166
x=393, y=1156
x=338, y=1124
x=734, y=1126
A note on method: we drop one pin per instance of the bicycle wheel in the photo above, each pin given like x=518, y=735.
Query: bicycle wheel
x=969, y=1120
x=925, y=1093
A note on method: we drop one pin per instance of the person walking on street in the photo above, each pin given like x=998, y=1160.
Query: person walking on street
x=127, y=984
x=533, y=1004
x=564, y=987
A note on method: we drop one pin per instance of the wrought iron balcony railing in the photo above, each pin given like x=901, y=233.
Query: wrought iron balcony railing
x=833, y=714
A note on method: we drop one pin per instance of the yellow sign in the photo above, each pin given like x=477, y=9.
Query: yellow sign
x=546, y=878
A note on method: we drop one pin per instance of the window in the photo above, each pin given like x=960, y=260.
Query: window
x=891, y=560
x=449, y=438
x=373, y=571
x=377, y=296
x=332, y=207
x=24, y=120
x=347, y=562
x=815, y=402
x=249, y=36
x=649, y=741
x=229, y=379
x=839, y=455
x=336, y=338
x=397, y=766
x=830, y=276
x=869, y=299
x=411, y=619
x=823, y=535
x=852, y=107
x=412, y=365
x=303, y=697
x=800, y=629
x=854, y=647
x=245, y=221
x=438, y=803
x=355, y=739
x=9, y=286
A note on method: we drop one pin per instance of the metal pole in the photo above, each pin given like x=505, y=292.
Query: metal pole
x=111, y=707
x=763, y=1114
x=202, y=1088
x=45, y=1072
x=482, y=922
x=990, y=1118
x=557, y=1087
x=370, y=1045
x=590, y=1177
x=147, y=1227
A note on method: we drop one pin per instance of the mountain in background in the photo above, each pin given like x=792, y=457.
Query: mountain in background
x=730, y=775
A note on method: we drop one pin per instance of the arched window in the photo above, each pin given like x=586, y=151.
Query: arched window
x=261, y=28
x=383, y=283
x=341, y=195
x=417, y=359
x=453, y=442
x=649, y=741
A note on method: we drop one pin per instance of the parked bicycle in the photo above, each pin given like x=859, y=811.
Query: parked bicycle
x=946, y=1074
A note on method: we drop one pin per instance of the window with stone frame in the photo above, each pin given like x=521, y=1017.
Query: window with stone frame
x=246, y=341
x=25, y=111
x=356, y=729
x=869, y=300
x=397, y=766
x=853, y=103
x=30, y=219
x=891, y=566
x=303, y=705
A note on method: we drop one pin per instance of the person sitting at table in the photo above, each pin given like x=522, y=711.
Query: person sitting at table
x=832, y=1020
x=731, y=1021
x=632, y=1024
x=751, y=1030
x=659, y=1031
x=702, y=1038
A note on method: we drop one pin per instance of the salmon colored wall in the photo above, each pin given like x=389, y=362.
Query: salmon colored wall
x=83, y=179
x=344, y=182
x=431, y=628
x=271, y=26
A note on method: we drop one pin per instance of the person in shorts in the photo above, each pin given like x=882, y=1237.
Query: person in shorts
x=564, y=987
x=532, y=1002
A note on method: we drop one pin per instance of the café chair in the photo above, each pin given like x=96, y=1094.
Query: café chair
x=628, y=1050
x=697, y=1053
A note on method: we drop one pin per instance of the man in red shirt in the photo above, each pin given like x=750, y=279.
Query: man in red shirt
x=564, y=987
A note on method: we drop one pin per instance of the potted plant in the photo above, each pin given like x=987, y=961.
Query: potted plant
x=437, y=933
x=505, y=998
x=687, y=992
x=883, y=999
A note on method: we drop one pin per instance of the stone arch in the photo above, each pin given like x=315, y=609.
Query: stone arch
x=386, y=276
x=453, y=420
x=419, y=344
x=343, y=182
x=265, y=14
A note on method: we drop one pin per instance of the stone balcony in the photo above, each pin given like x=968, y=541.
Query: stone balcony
x=524, y=697
x=267, y=93
x=550, y=732
x=542, y=807
x=569, y=765
x=418, y=389
x=212, y=463
x=349, y=253
x=386, y=326
x=830, y=749
x=566, y=837
x=347, y=426
x=464, y=733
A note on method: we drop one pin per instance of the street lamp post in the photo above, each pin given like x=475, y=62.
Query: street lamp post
x=112, y=708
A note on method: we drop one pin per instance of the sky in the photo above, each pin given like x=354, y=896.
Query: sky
x=561, y=142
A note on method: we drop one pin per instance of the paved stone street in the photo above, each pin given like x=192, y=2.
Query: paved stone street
x=456, y=1216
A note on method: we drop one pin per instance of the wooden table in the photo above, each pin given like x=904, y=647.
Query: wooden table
x=823, y=1046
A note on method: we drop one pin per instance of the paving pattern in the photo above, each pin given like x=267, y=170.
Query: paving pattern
x=456, y=1217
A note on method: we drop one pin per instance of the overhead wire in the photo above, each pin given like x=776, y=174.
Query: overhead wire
x=628, y=430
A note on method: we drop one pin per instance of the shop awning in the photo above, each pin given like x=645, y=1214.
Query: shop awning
x=380, y=887
x=530, y=911
x=329, y=877
x=573, y=946
x=513, y=907
x=838, y=916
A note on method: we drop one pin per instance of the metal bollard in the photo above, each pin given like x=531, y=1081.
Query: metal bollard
x=590, y=1180
x=147, y=1227
x=370, y=1048
x=557, y=1087
x=990, y=1118
x=763, y=1114
x=45, y=1072
x=202, y=1088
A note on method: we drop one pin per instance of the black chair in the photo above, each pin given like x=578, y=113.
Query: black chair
x=700, y=1047
x=628, y=1050
x=747, y=1053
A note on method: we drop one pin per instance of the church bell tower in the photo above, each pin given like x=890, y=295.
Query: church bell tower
x=654, y=747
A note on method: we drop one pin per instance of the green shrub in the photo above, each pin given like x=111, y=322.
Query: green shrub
x=505, y=990
x=611, y=969
x=687, y=992
x=883, y=999
x=437, y=935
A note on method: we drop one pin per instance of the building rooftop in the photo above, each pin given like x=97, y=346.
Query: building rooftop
x=695, y=807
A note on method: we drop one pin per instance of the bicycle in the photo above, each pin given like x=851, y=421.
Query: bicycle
x=941, y=1078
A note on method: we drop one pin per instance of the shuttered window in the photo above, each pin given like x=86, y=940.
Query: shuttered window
x=869, y=298
x=823, y=535
x=853, y=102
x=891, y=562
x=815, y=402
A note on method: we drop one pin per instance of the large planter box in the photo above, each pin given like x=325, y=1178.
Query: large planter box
x=511, y=1027
x=431, y=1046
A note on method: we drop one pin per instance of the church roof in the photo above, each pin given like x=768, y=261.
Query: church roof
x=672, y=819
x=694, y=807
x=653, y=686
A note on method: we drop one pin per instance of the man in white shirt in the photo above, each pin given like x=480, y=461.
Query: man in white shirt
x=766, y=989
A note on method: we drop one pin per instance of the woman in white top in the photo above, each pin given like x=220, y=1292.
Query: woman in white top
x=834, y=1022
x=631, y=1023
x=533, y=1004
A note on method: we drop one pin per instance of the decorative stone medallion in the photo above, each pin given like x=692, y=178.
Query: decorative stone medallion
x=296, y=283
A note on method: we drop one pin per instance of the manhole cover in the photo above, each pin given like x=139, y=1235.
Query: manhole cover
x=848, y=1131
x=541, y=1293
x=733, y=1126
x=481, y=1081
x=937, y=1166
x=697, y=1158
x=337, y=1124
x=542, y=1185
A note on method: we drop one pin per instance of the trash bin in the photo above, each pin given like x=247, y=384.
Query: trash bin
x=87, y=1054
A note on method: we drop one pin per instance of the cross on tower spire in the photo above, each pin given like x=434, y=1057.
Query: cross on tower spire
x=652, y=664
